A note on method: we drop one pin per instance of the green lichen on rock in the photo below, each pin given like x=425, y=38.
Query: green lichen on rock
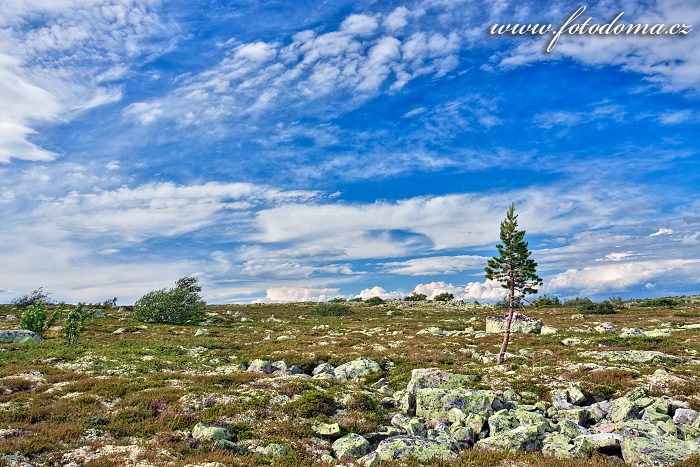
x=436, y=403
x=356, y=369
x=648, y=450
x=350, y=446
x=523, y=438
x=402, y=447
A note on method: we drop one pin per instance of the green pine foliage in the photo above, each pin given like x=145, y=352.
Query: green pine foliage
x=372, y=301
x=444, y=297
x=513, y=268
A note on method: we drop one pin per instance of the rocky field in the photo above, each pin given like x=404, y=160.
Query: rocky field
x=399, y=383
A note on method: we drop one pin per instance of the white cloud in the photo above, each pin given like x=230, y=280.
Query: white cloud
x=61, y=58
x=621, y=276
x=397, y=19
x=435, y=265
x=676, y=117
x=380, y=292
x=489, y=291
x=662, y=231
x=670, y=61
x=691, y=239
x=618, y=256
x=312, y=72
x=300, y=294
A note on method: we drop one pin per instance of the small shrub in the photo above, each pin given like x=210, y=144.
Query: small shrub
x=665, y=302
x=364, y=402
x=111, y=303
x=356, y=299
x=75, y=324
x=36, y=297
x=602, y=308
x=579, y=302
x=372, y=301
x=312, y=404
x=546, y=301
x=330, y=309
x=179, y=305
x=36, y=318
x=337, y=300
x=416, y=297
x=444, y=297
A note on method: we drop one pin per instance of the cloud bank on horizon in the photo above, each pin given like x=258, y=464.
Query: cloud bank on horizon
x=301, y=152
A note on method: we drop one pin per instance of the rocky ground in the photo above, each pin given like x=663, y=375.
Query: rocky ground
x=398, y=384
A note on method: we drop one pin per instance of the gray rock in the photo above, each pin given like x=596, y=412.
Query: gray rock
x=356, y=369
x=648, y=450
x=323, y=368
x=326, y=429
x=685, y=416
x=276, y=450
x=19, y=336
x=633, y=356
x=436, y=403
x=350, y=446
x=523, y=438
x=402, y=447
x=201, y=332
x=260, y=366
x=435, y=378
x=210, y=433
x=521, y=324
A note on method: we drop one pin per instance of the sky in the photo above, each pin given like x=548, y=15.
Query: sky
x=304, y=150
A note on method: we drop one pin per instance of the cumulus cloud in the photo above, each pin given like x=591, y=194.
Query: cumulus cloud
x=623, y=275
x=380, y=292
x=435, y=265
x=300, y=294
x=488, y=291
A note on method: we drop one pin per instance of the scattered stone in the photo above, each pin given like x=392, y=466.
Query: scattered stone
x=19, y=336
x=548, y=330
x=286, y=337
x=121, y=331
x=633, y=356
x=210, y=433
x=402, y=447
x=326, y=429
x=201, y=332
x=323, y=368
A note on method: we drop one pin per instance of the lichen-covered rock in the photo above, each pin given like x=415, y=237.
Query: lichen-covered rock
x=356, y=369
x=210, y=433
x=521, y=324
x=350, y=446
x=415, y=427
x=276, y=450
x=19, y=336
x=523, y=438
x=423, y=378
x=325, y=429
x=548, y=330
x=260, y=366
x=623, y=409
x=402, y=447
x=436, y=403
x=648, y=450
x=323, y=368
x=201, y=332
x=633, y=356
x=571, y=429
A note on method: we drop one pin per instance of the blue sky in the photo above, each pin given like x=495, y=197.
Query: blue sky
x=286, y=151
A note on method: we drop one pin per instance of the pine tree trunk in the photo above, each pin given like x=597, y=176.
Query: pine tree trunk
x=509, y=321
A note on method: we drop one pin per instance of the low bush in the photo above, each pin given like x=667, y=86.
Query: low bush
x=312, y=404
x=372, y=301
x=37, y=318
x=330, y=309
x=75, y=324
x=665, y=302
x=601, y=308
x=444, y=297
x=179, y=305
x=546, y=301
x=416, y=297
x=337, y=300
x=356, y=299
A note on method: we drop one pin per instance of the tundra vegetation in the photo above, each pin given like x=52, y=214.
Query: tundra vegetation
x=401, y=382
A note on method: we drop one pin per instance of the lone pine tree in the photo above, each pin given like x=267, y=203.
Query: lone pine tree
x=513, y=268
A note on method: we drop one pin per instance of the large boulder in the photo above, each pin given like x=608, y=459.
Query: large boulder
x=19, y=336
x=204, y=432
x=356, y=369
x=523, y=438
x=437, y=403
x=402, y=447
x=521, y=324
x=350, y=446
x=423, y=378
x=640, y=449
